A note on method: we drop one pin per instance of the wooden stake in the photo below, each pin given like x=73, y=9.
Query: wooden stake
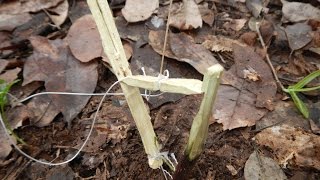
x=200, y=124
x=114, y=50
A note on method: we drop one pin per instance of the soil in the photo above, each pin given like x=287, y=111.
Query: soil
x=115, y=150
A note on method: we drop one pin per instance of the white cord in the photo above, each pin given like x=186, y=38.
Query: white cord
x=79, y=150
x=92, y=124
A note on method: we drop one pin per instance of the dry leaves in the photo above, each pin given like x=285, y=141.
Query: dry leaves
x=59, y=13
x=232, y=106
x=299, y=35
x=186, y=16
x=182, y=48
x=8, y=22
x=53, y=63
x=139, y=10
x=18, y=7
x=292, y=146
x=296, y=11
x=220, y=43
x=261, y=167
x=84, y=39
x=246, y=60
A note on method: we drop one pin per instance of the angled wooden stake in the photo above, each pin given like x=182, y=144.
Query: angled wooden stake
x=200, y=124
x=114, y=50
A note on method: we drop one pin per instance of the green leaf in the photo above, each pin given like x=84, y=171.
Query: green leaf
x=300, y=104
x=4, y=89
x=305, y=80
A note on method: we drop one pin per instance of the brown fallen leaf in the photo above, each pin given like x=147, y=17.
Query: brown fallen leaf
x=85, y=43
x=194, y=54
x=207, y=14
x=284, y=112
x=18, y=7
x=299, y=35
x=235, y=108
x=261, y=167
x=10, y=21
x=3, y=64
x=5, y=146
x=186, y=16
x=265, y=88
x=84, y=40
x=297, y=12
x=10, y=75
x=139, y=10
x=220, y=43
x=156, y=40
x=256, y=7
x=43, y=109
x=53, y=63
x=235, y=24
x=59, y=13
x=292, y=146
x=132, y=31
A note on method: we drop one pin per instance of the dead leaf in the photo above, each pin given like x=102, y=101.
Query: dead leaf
x=256, y=7
x=18, y=7
x=232, y=107
x=207, y=14
x=139, y=10
x=59, y=13
x=235, y=24
x=10, y=75
x=3, y=64
x=84, y=39
x=298, y=35
x=285, y=113
x=156, y=40
x=292, y=146
x=296, y=11
x=250, y=38
x=53, y=63
x=5, y=146
x=132, y=31
x=79, y=9
x=8, y=22
x=261, y=167
x=43, y=109
x=266, y=87
x=219, y=43
x=186, y=16
x=194, y=54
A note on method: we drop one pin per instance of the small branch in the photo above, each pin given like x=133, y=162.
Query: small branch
x=265, y=48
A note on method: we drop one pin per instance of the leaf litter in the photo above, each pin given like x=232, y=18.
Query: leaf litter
x=202, y=33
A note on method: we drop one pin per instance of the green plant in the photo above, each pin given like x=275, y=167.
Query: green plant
x=299, y=87
x=4, y=89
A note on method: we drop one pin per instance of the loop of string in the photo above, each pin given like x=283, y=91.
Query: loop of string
x=161, y=77
x=92, y=124
x=165, y=157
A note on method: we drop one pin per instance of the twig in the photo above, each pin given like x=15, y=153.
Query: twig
x=165, y=38
x=265, y=48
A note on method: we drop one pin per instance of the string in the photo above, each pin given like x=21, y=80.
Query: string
x=91, y=128
x=165, y=38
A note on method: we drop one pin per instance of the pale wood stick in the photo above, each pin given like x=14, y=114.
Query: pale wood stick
x=114, y=50
x=200, y=124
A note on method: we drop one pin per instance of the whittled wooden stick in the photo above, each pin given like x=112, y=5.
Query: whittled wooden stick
x=200, y=124
x=172, y=85
x=114, y=50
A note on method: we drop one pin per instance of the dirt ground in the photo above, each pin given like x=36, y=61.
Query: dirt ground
x=115, y=150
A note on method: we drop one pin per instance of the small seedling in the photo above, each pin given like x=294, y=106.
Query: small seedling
x=299, y=87
x=4, y=90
